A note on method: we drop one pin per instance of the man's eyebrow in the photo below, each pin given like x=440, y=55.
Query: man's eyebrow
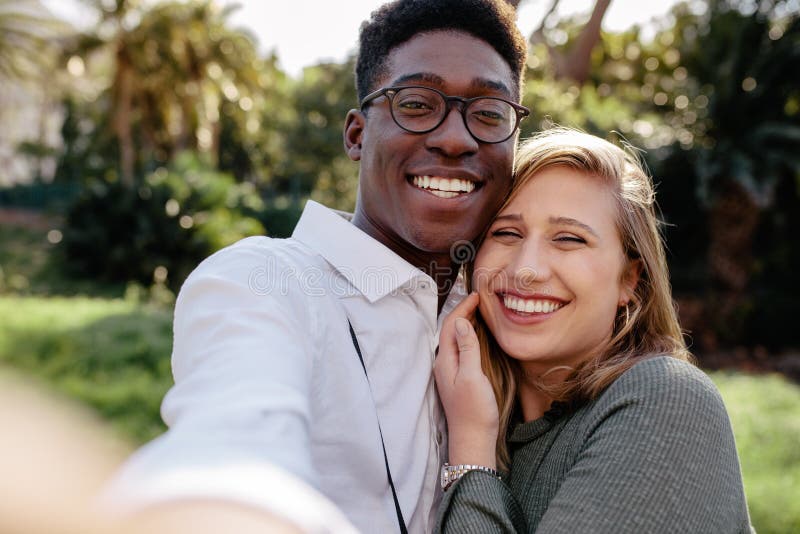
x=568, y=221
x=419, y=77
x=435, y=79
x=485, y=83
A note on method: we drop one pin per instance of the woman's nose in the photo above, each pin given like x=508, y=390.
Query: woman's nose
x=526, y=275
x=530, y=266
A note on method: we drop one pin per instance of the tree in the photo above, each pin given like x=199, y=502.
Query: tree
x=575, y=63
x=315, y=160
x=27, y=34
x=725, y=156
x=175, y=66
x=28, y=46
x=745, y=57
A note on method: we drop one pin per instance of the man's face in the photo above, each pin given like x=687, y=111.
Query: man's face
x=408, y=180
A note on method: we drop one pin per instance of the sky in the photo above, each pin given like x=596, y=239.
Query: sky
x=305, y=32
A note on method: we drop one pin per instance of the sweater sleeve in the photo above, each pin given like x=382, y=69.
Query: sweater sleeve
x=658, y=455
x=479, y=503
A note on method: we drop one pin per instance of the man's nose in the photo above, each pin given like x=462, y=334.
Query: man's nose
x=451, y=137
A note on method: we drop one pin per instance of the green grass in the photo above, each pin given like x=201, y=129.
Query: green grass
x=111, y=354
x=765, y=414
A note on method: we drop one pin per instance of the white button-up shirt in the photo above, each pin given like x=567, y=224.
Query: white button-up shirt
x=269, y=388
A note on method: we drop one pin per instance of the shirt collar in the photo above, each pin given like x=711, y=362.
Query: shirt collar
x=370, y=266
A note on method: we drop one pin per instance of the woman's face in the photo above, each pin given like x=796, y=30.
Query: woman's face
x=551, y=272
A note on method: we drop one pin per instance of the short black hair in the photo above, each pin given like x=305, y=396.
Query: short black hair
x=392, y=24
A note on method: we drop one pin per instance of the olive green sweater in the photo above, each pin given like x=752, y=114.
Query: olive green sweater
x=653, y=453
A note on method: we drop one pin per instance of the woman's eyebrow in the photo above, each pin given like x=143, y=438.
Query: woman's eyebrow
x=568, y=221
x=508, y=217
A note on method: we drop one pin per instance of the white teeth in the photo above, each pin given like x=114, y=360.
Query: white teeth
x=447, y=185
x=530, y=305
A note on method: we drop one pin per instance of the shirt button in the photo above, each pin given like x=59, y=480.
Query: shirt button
x=439, y=437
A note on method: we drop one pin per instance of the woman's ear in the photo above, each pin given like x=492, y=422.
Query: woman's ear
x=630, y=279
x=353, y=131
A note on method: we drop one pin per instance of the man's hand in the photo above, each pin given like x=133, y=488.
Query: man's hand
x=206, y=517
x=466, y=394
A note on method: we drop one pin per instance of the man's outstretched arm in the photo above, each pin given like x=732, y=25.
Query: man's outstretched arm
x=239, y=413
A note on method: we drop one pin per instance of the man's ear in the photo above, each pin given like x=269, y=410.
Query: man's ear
x=353, y=131
x=630, y=279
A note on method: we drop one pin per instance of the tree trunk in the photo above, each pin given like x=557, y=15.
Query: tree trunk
x=123, y=103
x=578, y=63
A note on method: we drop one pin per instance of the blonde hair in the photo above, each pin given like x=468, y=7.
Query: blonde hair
x=647, y=326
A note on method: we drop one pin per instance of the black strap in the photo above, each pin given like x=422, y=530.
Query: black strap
x=400, y=519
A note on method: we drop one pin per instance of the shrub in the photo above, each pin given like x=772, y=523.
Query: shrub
x=161, y=228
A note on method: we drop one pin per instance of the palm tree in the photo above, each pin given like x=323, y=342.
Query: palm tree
x=173, y=71
x=27, y=33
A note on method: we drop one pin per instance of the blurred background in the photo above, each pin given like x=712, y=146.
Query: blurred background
x=138, y=137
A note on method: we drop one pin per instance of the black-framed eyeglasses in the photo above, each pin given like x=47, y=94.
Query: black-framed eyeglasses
x=419, y=109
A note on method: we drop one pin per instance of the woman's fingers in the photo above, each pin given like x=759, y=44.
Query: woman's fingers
x=466, y=308
x=447, y=361
x=469, y=352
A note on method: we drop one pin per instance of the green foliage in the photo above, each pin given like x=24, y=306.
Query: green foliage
x=27, y=35
x=28, y=266
x=180, y=78
x=281, y=217
x=737, y=150
x=763, y=412
x=89, y=152
x=315, y=162
x=252, y=129
x=112, y=355
x=160, y=230
x=24, y=255
x=746, y=64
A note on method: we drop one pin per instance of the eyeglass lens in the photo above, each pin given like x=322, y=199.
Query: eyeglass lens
x=419, y=110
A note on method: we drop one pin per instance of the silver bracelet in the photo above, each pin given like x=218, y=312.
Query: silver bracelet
x=451, y=473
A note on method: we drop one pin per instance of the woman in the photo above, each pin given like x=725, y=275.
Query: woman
x=576, y=381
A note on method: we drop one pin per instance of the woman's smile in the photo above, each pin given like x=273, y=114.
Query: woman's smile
x=530, y=309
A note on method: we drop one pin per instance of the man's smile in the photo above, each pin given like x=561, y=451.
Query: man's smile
x=443, y=187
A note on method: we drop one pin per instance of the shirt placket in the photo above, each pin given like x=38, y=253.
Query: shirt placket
x=429, y=305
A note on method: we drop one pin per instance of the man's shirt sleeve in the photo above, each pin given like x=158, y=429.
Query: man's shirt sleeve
x=239, y=412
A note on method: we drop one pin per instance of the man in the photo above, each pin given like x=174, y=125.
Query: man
x=306, y=362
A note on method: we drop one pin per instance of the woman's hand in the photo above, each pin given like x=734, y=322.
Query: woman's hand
x=466, y=394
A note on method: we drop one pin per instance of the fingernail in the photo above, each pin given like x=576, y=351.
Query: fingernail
x=462, y=326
